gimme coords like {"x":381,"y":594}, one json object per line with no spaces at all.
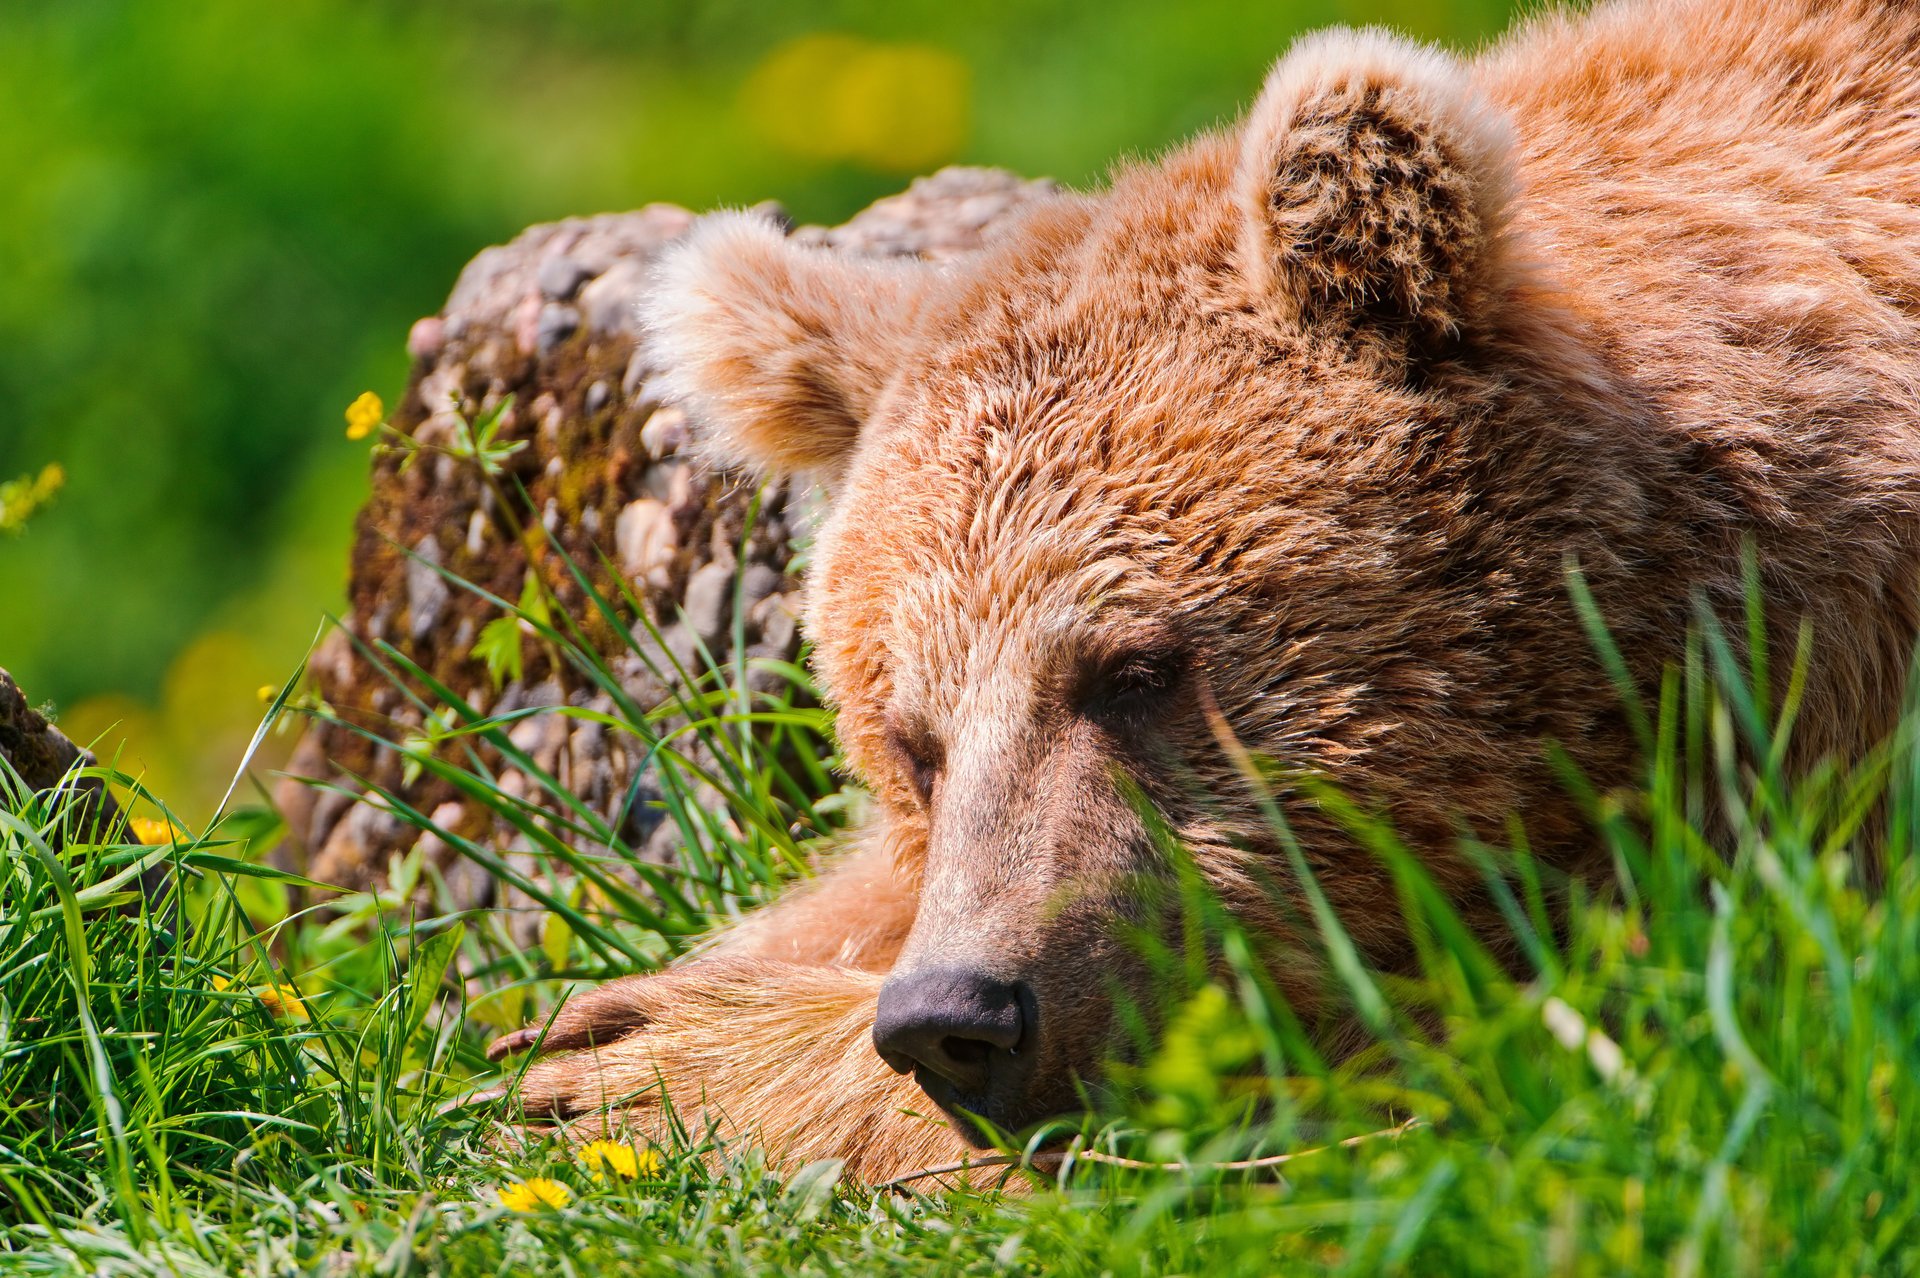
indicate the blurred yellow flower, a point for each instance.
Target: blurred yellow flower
{"x":364,"y":415}
{"x":266,"y":692}
{"x":282,"y":1000}
{"x":278,"y":998}
{"x":534,"y":1194}
{"x":895,"y":108}
{"x":22,"y":498}
{"x":153,"y":830}
{"x":623,"y":1161}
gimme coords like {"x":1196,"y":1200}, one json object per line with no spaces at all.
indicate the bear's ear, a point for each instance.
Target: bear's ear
{"x":1372,"y":183}
{"x":778,"y":350}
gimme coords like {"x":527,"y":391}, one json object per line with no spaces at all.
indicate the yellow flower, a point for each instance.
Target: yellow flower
{"x":364,"y":415}
{"x":267,"y":692}
{"x":153,"y":830}
{"x":534,"y":1194}
{"x":22,"y":498}
{"x":623,"y":1161}
{"x":278,"y":998}
{"x":282,"y":1000}
{"x":891,"y":107}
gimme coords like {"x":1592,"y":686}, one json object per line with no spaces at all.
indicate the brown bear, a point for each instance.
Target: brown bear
{"x":1288,"y":438}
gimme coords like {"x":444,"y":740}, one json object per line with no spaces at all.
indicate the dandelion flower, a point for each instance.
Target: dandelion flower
{"x":282,"y":1000}
{"x":364,"y":415}
{"x":153,"y":830}
{"x":22,"y":498}
{"x":279,"y":999}
{"x":624,"y":1161}
{"x":534,"y":1194}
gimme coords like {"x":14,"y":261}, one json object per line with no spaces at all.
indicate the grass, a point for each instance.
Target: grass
{"x":1710,"y":1065}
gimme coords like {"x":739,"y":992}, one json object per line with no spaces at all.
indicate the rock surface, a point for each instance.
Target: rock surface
{"x":42,"y":756}
{"x":549,"y":320}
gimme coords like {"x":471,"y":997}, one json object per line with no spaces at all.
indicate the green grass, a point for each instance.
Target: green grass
{"x":1709,"y":1065}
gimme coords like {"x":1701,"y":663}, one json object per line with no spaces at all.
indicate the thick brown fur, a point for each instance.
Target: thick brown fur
{"x":1306,"y":420}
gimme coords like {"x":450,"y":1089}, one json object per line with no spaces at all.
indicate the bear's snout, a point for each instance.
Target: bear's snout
{"x":959,"y":1031}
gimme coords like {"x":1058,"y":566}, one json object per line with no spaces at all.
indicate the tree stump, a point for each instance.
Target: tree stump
{"x":549,"y":320}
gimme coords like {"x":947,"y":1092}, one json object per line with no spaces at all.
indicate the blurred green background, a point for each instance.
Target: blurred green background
{"x":219,"y":217}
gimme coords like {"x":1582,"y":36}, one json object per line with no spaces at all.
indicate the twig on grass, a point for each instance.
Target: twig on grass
{"x":1053,"y":1160}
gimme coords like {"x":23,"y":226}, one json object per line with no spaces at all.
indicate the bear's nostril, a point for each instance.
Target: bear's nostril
{"x":967,"y":1051}
{"x":950,"y":1022}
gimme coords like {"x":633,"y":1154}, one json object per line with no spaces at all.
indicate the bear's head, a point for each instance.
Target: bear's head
{"x":1255,"y":449}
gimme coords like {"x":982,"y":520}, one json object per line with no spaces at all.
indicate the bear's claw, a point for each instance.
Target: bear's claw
{"x":518,"y":1041}
{"x":593,"y":1018}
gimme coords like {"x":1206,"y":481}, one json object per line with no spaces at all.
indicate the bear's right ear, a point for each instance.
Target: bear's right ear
{"x":778,"y":350}
{"x":1373,"y":182}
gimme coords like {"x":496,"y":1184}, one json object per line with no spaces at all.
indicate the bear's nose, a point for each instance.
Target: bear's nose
{"x":947,"y":1021}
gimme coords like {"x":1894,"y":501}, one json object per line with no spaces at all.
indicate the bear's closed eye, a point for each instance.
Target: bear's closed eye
{"x":1130,"y":680}
{"x":922,"y":754}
